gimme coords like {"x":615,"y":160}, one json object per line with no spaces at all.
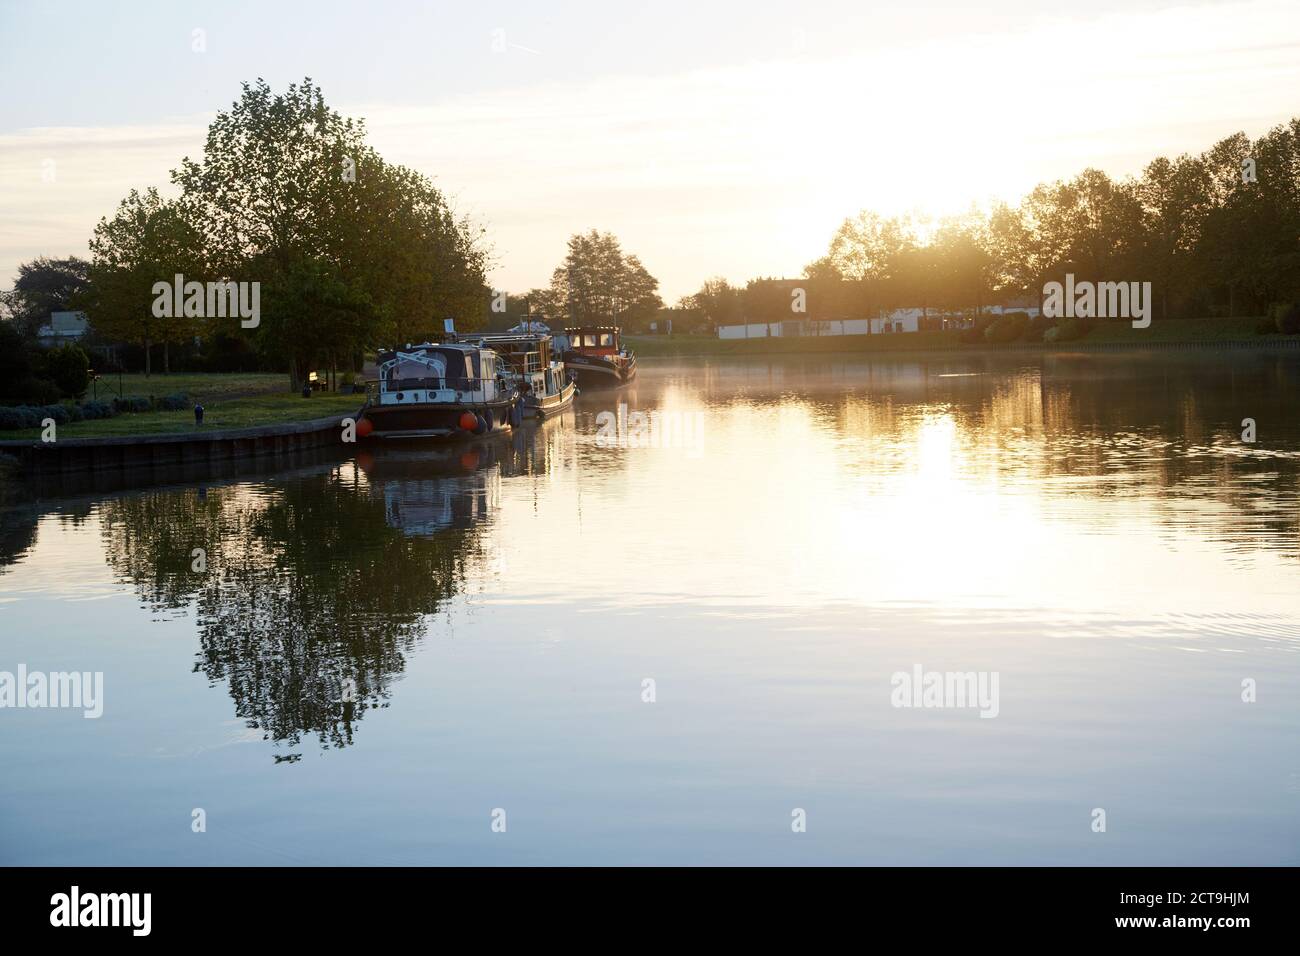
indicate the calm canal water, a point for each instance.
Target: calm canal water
{"x":656,"y":641}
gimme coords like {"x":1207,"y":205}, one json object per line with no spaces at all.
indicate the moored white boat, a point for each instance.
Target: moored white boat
{"x":441,"y":391}
{"x":531,"y":363}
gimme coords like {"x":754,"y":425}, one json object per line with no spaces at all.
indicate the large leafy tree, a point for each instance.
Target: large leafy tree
{"x":868,"y":246}
{"x":1097,"y":221}
{"x":719,"y":301}
{"x":638,"y":294}
{"x":274,"y":180}
{"x":1228,"y":250}
{"x":1175,"y":197}
{"x":598,"y":283}
{"x":1275,"y":214}
{"x":272,"y":190}
{"x":963,"y":262}
{"x":351,"y":251}
{"x":148,"y":240}
{"x":546,"y":301}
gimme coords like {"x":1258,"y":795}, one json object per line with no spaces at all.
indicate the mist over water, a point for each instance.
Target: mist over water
{"x":386,"y":646}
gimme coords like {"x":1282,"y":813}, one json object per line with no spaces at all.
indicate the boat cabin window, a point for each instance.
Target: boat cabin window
{"x":405,"y":374}
{"x":589,"y":340}
{"x":460,"y":366}
{"x":607,"y":338}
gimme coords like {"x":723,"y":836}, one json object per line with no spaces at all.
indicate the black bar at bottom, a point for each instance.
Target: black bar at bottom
{"x":334,"y":905}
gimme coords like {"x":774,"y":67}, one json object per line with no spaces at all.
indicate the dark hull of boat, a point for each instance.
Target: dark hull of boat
{"x":437,"y":421}
{"x":548,"y":405}
{"x":593,"y":373}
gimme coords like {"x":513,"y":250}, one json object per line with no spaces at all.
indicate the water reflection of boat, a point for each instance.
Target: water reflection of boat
{"x":422,"y":507}
{"x":431,"y":490}
{"x":440,"y":391}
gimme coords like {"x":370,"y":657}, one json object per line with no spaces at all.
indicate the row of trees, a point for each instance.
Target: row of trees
{"x":350,"y":251}
{"x":1215,"y":234}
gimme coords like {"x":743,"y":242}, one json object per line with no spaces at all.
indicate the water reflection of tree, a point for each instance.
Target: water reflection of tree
{"x":20,"y":523}
{"x":1176,"y":425}
{"x":1163,"y":428}
{"x":311,"y":598}
{"x":17,"y":534}
{"x":149,"y":540}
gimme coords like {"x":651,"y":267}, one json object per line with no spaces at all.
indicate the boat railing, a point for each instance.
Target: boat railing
{"x":431,"y":384}
{"x":427,"y":382}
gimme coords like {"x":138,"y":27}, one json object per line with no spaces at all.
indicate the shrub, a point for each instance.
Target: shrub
{"x":59,"y":413}
{"x":90,"y":410}
{"x":173,"y":403}
{"x":15,"y":364}
{"x":1035,"y":328}
{"x":68,"y":367}
{"x":975,"y":334}
{"x":1266,"y":326}
{"x":1286,"y":316}
{"x":1067,"y":330}
{"x":132,"y":403}
{"x":14,"y":417}
{"x":35,"y":391}
{"x":1007,"y":328}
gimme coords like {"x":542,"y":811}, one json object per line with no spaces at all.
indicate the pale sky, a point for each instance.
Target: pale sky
{"x":711,"y":138}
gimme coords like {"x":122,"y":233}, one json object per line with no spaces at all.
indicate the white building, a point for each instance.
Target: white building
{"x":62,"y":327}
{"x":899,"y":320}
{"x":754,"y":330}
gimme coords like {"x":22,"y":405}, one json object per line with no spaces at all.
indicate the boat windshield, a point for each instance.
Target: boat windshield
{"x":440,"y":370}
